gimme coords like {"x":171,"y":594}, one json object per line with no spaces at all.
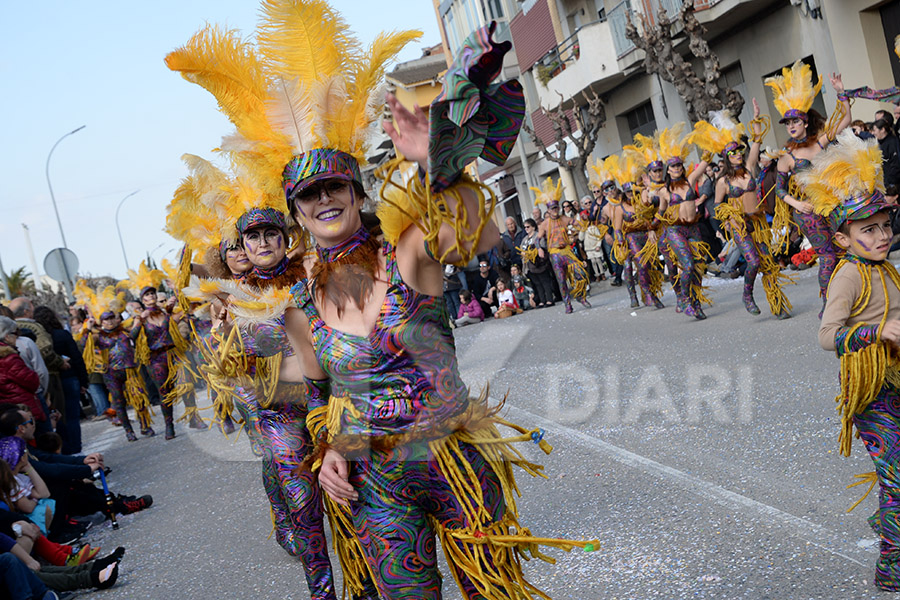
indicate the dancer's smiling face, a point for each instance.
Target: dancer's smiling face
{"x":264,"y":245}
{"x":329,"y":210}
{"x":796,"y":128}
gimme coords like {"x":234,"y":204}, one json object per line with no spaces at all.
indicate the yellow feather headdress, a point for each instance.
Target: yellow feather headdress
{"x":306,"y":85}
{"x":97,"y":304}
{"x":601,"y":172}
{"x":143,"y":277}
{"x":674,"y":144}
{"x":548,"y":192}
{"x":846,"y":181}
{"x":718,"y":133}
{"x":644,"y":151}
{"x":793,"y":90}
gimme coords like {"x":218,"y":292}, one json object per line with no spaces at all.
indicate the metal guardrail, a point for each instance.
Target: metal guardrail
{"x":554,"y":62}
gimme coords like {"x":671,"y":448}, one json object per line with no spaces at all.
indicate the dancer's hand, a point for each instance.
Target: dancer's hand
{"x":836,"y":82}
{"x":333,"y":478}
{"x":891,"y":331}
{"x":409,"y":131}
{"x":803,"y":206}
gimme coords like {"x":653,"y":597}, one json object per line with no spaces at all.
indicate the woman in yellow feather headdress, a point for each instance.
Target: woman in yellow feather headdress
{"x":109,"y":349}
{"x":632,"y":246}
{"x":305,"y":118}
{"x":677,"y":212}
{"x":571,"y":274}
{"x":861,"y":322}
{"x":794,"y":93}
{"x":738,"y":208}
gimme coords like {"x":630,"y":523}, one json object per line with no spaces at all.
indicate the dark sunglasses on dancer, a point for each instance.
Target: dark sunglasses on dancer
{"x":331,"y":188}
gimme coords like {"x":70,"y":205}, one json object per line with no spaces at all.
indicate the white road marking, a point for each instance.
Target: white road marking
{"x":804,"y":529}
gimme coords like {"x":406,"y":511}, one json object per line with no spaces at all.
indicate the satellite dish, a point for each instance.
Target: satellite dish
{"x":61,"y":264}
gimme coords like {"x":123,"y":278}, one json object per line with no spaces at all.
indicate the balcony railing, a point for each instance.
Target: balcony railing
{"x":555,"y":61}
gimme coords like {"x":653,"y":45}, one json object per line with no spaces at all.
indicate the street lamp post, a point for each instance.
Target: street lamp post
{"x":121,"y":242}
{"x":52,"y":198}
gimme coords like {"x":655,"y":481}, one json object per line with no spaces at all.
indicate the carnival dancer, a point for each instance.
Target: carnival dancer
{"x":602,"y":179}
{"x":109,"y":349}
{"x":255,"y":379}
{"x":861,"y":322}
{"x":644,"y":153}
{"x":794,"y":93}
{"x":631,"y":231}
{"x":571,"y":274}
{"x":678,"y":213}
{"x":738,"y":207}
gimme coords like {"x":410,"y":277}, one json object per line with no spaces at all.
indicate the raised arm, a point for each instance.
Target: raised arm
{"x":844,"y":103}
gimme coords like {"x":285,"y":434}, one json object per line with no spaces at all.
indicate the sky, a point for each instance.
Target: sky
{"x":65,"y":64}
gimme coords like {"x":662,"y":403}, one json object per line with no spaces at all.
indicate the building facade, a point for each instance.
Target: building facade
{"x":564,"y":48}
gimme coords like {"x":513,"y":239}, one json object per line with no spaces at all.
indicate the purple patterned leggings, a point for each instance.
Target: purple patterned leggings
{"x":399,"y":491}
{"x":159,"y":373}
{"x":747,"y":245}
{"x":879,"y":428}
{"x":678,"y":238}
{"x":816,"y":230}
{"x":115,"y":383}
{"x":636,"y":241}
{"x":281,"y":436}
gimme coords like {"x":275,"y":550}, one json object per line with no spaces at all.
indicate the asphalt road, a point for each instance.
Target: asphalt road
{"x":703,"y":455}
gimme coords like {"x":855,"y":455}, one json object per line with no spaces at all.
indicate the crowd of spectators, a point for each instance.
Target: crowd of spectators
{"x":49,"y":496}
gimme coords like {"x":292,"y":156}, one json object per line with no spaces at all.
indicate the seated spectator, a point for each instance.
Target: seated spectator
{"x":19,"y":581}
{"x":506,"y":301}
{"x":65,"y":475}
{"x":51,"y":443}
{"x":18,"y":383}
{"x":469,"y":309}
{"x":859,"y":128}
{"x":523,"y":293}
{"x":452,"y":285}
{"x":24,"y":487}
{"x":483,"y":288}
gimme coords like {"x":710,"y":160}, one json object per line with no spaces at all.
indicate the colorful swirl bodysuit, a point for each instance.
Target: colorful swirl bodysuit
{"x":402,"y":380}
{"x":812,"y":225}
{"x":565,"y":264}
{"x":162,"y":349}
{"x":636,"y":231}
{"x":119,"y":351}
{"x":683,"y":241}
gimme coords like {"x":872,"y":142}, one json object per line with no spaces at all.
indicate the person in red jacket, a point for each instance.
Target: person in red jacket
{"x":18,"y":383}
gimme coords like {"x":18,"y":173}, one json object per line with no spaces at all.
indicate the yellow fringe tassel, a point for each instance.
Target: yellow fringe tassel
{"x":142,"y":348}
{"x":136,"y":396}
{"x":781,"y":227}
{"x":863,"y":372}
{"x":268,"y":371}
{"x":576,"y":273}
{"x":871,"y":478}
{"x":414,"y":202}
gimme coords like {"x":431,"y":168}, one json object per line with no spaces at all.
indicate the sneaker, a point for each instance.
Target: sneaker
{"x":84,"y":554}
{"x":126,"y":507}
{"x":70,"y":533}
{"x":148,"y":432}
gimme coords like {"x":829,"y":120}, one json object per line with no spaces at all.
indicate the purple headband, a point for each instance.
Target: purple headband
{"x":793,"y":113}
{"x":656,"y":164}
{"x":552,"y":203}
{"x":11,"y":450}
{"x":609,"y":183}
{"x":321,"y":163}
{"x":144,"y":290}
{"x":675,"y":160}
{"x":731,"y":146}
{"x":107,"y":314}
{"x":260,"y":217}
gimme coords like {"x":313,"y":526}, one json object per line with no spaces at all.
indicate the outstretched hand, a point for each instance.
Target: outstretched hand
{"x":836,"y":82}
{"x":408,"y":131}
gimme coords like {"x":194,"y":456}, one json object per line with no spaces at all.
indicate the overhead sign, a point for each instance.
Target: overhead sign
{"x":61,"y":264}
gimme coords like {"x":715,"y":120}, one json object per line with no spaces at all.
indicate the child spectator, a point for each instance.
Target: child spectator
{"x":469,"y":309}
{"x":26,"y":489}
{"x":49,"y":442}
{"x":506,"y":300}
{"x":523,"y":293}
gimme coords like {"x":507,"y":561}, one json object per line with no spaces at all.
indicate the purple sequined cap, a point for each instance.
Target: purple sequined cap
{"x":793,"y":113}
{"x":259,"y":217}
{"x":321,"y":163}
{"x":858,"y":208}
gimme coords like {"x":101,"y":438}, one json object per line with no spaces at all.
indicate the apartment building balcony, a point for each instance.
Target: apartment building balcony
{"x":587,"y":59}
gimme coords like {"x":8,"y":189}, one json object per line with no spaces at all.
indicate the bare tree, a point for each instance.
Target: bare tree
{"x":658,"y":43}
{"x":589,"y":120}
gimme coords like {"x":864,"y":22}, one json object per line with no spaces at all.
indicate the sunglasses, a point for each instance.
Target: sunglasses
{"x":736,"y":151}
{"x":28,"y":422}
{"x":482,"y":265}
{"x":330,"y":188}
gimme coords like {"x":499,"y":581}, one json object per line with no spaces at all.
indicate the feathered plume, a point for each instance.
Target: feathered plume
{"x":548,"y":192}
{"x":644,"y":151}
{"x":673,"y":143}
{"x":794,"y":89}
{"x":600,"y":172}
{"x":141,"y":278}
{"x":851,"y":168}
{"x":718,"y":132}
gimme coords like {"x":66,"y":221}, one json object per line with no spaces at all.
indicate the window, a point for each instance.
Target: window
{"x":492,"y":9}
{"x":641,"y":120}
